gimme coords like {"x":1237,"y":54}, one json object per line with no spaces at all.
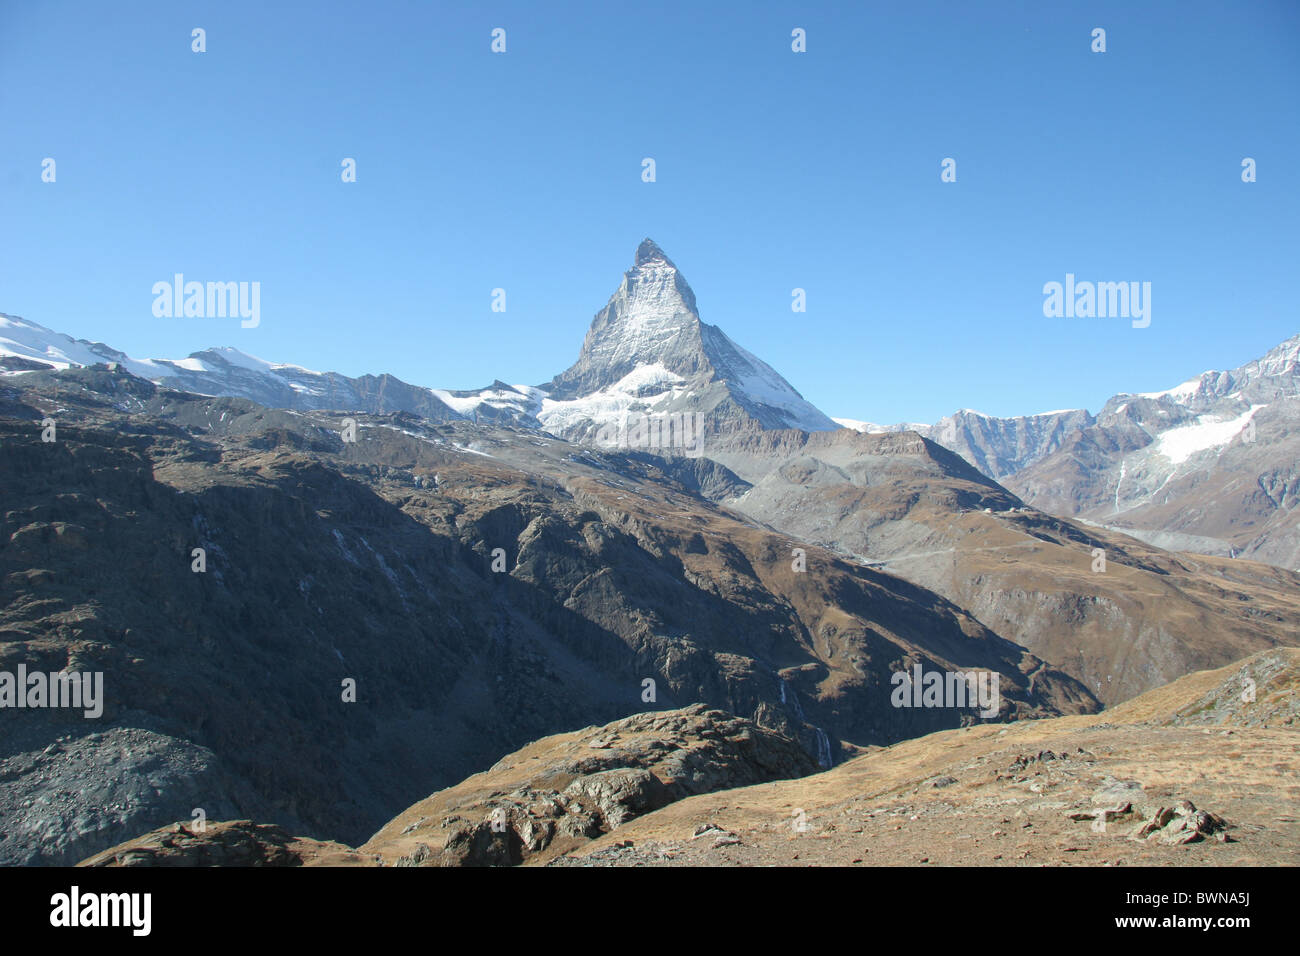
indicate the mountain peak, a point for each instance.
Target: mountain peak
{"x":648,"y":348}
{"x":650,"y":320}
{"x":649,"y":251}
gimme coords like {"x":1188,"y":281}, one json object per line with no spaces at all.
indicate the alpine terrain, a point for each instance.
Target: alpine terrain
{"x":359,"y":621}
{"x":1206,"y":466}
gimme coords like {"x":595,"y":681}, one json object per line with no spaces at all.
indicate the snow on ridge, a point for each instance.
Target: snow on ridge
{"x":23,"y":339}
{"x":521,"y":398}
{"x":192,"y":365}
{"x":870,"y":428}
{"x":1185,"y":390}
{"x":27,"y":339}
{"x":234,"y":356}
{"x":472,"y":451}
{"x":1180,"y":443}
{"x":757,"y":381}
{"x":461,"y":404}
{"x":645,"y":376}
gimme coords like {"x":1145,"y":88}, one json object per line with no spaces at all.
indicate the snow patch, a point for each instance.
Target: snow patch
{"x":871,"y":428}
{"x":1185,"y":390}
{"x":1179,"y":444}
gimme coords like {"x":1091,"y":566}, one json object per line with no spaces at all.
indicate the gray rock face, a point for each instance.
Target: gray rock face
{"x":70,"y":798}
{"x":648,"y":352}
{"x":651,"y":319}
{"x":619,"y":795}
{"x":1003,"y":446}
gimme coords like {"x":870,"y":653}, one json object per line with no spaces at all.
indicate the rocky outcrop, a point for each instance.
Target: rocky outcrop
{"x":696,"y":786}
{"x":552,"y":796}
{"x":562,"y":791}
{"x":1183,"y":824}
{"x":232,"y":843}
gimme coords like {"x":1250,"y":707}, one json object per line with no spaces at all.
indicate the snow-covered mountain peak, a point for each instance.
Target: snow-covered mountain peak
{"x":653,"y":295}
{"x":1272,"y":376}
{"x":1283,"y":359}
{"x":26,"y":345}
{"x":650,"y":319}
{"x":652,"y":322}
{"x":649,"y":251}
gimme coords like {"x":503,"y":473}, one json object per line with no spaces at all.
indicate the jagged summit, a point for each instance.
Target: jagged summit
{"x":648,"y":351}
{"x":651,"y":319}
{"x":649,"y":251}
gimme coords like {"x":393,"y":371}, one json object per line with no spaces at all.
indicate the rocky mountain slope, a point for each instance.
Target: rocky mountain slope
{"x":228,"y":372}
{"x":405,"y":582}
{"x":1120,"y":615}
{"x":1208,"y":466}
{"x":998,"y":447}
{"x":550,"y":797}
{"x":647,"y":352}
{"x":329,"y":561}
{"x":1199,"y":772}
{"x":560,"y":792}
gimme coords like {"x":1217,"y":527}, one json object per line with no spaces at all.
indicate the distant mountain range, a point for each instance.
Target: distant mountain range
{"x":1207,"y":466}
{"x":1210,"y":465}
{"x":647,"y":352}
{"x":996,"y":446}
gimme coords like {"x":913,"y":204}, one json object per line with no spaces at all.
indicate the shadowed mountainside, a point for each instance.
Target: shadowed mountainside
{"x":372,"y":562}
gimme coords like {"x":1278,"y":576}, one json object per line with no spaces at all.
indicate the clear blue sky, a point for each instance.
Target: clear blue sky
{"x":775,"y":170}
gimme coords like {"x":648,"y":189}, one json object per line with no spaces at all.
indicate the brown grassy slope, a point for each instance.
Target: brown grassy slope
{"x":1005,"y":795}
{"x":1027,"y":793}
